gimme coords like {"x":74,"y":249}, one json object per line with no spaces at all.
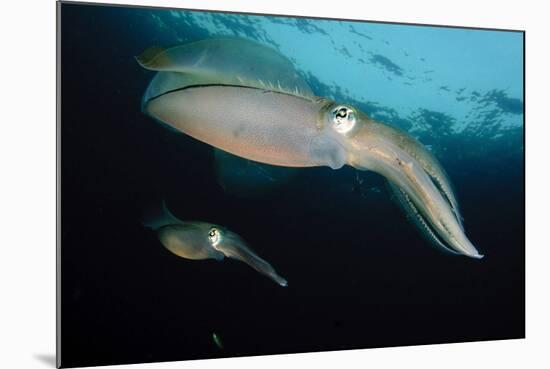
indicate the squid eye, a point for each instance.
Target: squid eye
{"x":214,"y":236}
{"x":343,"y":118}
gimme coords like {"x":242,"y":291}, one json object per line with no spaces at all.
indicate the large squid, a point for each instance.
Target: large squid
{"x":249,"y":100}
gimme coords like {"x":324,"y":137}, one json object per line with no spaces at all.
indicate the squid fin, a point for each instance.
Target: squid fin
{"x":159,"y":217}
{"x":230,"y":61}
{"x":153,"y":58}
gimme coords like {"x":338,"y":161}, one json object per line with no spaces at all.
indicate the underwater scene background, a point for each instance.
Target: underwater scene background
{"x":359,"y":274}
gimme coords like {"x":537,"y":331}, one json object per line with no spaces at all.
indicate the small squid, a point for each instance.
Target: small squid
{"x":201,"y":240}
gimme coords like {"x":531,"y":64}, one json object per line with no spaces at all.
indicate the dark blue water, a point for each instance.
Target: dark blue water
{"x":359,"y":274}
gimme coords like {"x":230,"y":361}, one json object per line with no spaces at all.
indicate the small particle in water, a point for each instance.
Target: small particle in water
{"x":217,"y":340}
{"x":375,"y":190}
